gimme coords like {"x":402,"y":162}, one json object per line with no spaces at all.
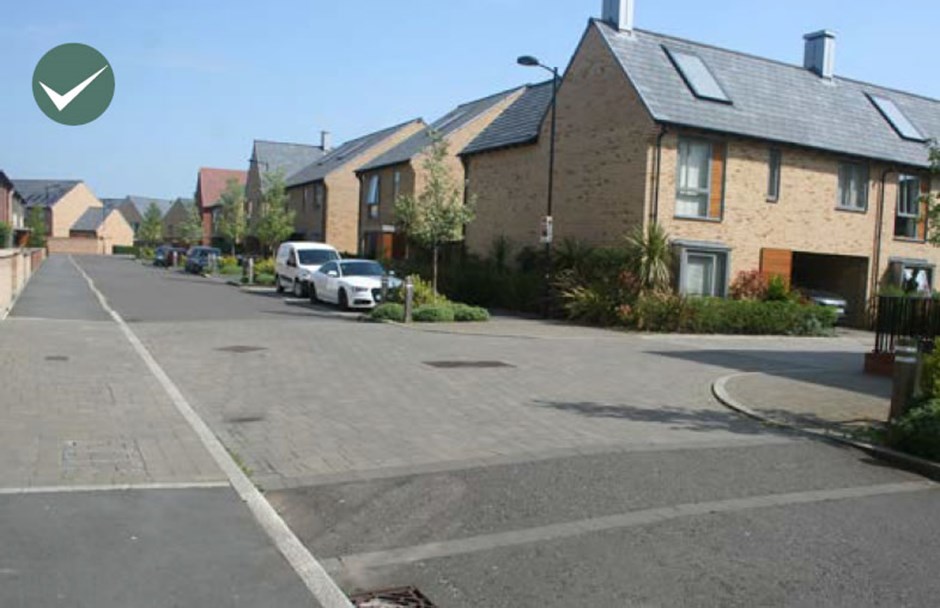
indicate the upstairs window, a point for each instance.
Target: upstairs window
{"x":694,"y":178}
{"x":773,"y":177}
{"x":319,"y":194}
{"x":908,"y":218}
{"x":397,"y":185}
{"x":372,"y":196}
{"x":853,"y":187}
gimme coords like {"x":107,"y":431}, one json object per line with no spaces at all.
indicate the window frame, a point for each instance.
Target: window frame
{"x":906,"y":218}
{"x":722,"y":268}
{"x":774,"y":174}
{"x":319,"y":195}
{"x":686,"y":192}
{"x":396,"y":184}
{"x":864,"y":172}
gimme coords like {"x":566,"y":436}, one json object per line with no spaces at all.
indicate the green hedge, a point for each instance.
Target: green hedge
{"x":918,"y":432}
{"x":391,"y":311}
{"x":464,"y":313}
{"x":264,"y":279}
{"x":433,"y":313}
{"x":126,"y":250}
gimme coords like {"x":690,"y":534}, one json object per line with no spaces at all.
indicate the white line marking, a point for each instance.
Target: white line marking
{"x":114,"y":488}
{"x":323,"y":587}
{"x":487,"y":542}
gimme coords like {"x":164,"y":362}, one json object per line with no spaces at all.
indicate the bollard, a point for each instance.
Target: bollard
{"x":385,"y":288}
{"x":409,"y":298}
{"x":251,"y":271}
{"x":905,"y":378}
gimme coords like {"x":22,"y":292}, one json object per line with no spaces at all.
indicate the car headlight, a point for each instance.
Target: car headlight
{"x":360,"y":289}
{"x":304,"y":275}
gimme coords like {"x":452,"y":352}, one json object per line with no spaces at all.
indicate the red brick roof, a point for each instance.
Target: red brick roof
{"x":212,"y":183}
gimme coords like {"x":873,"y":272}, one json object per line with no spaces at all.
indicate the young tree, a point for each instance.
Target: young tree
{"x":933,"y":208}
{"x":650,"y":257}
{"x":275,"y":221}
{"x":437,"y":215}
{"x":151,"y":228}
{"x":5,"y":232}
{"x":233,"y":224}
{"x":191,"y":229}
{"x":36,"y":222}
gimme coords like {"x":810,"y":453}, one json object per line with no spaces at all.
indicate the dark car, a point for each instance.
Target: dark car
{"x":827,"y":298}
{"x":163,"y":256}
{"x":200,"y":259}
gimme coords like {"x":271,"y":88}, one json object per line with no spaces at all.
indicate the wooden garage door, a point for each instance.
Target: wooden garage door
{"x":777,"y":262}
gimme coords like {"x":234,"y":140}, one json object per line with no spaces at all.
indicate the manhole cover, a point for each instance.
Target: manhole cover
{"x":240,"y":350}
{"x":57,"y":358}
{"x":467,"y":364}
{"x":407,"y":597}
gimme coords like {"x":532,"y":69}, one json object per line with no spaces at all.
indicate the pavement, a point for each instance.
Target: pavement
{"x":522,"y":463}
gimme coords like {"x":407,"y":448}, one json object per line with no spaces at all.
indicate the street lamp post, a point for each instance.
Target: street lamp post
{"x":532,"y":62}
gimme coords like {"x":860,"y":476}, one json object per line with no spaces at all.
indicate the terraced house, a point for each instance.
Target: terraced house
{"x":210,"y":186}
{"x":12,"y":213}
{"x":748,"y":163}
{"x":400,"y":171}
{"x":325,"y":194}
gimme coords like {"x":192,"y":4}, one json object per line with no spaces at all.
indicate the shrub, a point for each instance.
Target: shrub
{"x":589,"y":304}
{"x":717,"y":316}
{"x":264,"y":279}
{"x":930,"y":375}
{"x":146,"y":253}
{"x":390,"y":311}
{"x":659,"y":312}
{"x":5,"y":232}
{"x":433,"y":313}
{"x":777,"y":289}
{"x":749,"y":285}
{"x":265,"y":266}
{"x":125,"y":250}
{"x":918,"y":432}
{"x":229,"y":265}
{"x":423,"y":295}
{"x":464,"y":313}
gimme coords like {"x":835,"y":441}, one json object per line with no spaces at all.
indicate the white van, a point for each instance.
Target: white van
{"x":296,"y":262}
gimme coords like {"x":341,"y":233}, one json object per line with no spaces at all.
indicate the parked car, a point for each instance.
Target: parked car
{"x":296,"y":262}
{"x":200,"y":259}
{"x":163,"y":255}
{"x":827,"y":298}
{"x":350,"y":284}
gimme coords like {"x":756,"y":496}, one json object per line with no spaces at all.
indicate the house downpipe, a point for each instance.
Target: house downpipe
{"x":879,"y":233}
{"x":654,"y":208}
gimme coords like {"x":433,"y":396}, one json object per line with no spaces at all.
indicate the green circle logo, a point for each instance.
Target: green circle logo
{"x":73,"y":84}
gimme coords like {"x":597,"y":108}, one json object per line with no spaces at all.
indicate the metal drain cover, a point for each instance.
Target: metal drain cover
{"x":406,"y":597}
{"x":467,"y":364}
{"x":241,"y":350}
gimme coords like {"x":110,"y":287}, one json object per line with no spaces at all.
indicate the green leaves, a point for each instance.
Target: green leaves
{"x":151,"y":229}
{"x":233,"y":223}
{"x":36,"y":222}
{"x":275,"y":221}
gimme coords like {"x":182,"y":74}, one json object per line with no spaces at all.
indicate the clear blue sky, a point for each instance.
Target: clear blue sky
{"x":198,"y":80}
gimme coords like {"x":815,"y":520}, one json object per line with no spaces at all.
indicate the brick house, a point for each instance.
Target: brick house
{"x":134,"y":208}
{"x":325,"y":194}
{"x":747,"y":163}
{"x":64,"y":203}
{"x":210,"y":185}
{"x":400,"y":171}
{"x":174,"y":218}
{"x":99,"y":230}
{"x":271,"y":157}
{"x":12,"y":211}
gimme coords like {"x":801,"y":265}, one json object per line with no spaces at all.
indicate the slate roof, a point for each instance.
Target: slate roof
{"x":284,"y":157}
{"x":772,"y":100}
{"x":91,"y":220}
{"x":143,"y":203}
{"x":342,"y":155}
{"x":212,"y":183}
{"x":43,"y":192}
{"x":519,"y":124}
{"x":447,"y":124}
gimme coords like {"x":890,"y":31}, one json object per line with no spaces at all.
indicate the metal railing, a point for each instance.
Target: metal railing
{"x":905,"y":317}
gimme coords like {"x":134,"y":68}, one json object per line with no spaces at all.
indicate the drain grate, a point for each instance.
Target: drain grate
{"x":241,"y":350}
{"x":406,"y":597}
{"x":467,"y":364}
{"x":248,"y":419}
{"x":57,"y":358}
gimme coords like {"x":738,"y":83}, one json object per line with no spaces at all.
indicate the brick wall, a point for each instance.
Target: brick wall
{"x":16,"y":268}
{"x":76,"y":245}
{"x":71,"y":207}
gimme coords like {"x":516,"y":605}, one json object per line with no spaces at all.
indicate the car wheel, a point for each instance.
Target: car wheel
{"x":277,"y":284}
{"x":298,"y":289}
{"x":343,"y":300}
{"x":312,"y":290}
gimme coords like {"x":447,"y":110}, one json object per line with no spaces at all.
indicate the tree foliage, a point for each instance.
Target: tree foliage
{"x":233,"y":224}
{"x":190,"y":230}
{"x":36,"y":222}
{"x":5,"y":232}
{"x":151,"y":228}
{"x":275,"y":221}
{"x":933,"y":208}
{"x":650,"y":257}
{"x":437,"y":215}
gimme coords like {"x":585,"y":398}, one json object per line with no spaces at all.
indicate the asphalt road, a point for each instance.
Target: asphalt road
{"x":593,"y":469}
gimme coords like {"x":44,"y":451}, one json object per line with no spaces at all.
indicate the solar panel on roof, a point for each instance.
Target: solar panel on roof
{"x":697,"y":76}
{"x":896,"y":118}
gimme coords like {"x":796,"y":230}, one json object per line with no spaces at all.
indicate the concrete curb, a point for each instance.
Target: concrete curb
{"x":921,"y":466}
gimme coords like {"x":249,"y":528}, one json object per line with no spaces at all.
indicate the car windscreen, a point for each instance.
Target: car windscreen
{"x":316,"y":257}
{"x":362,"y":269}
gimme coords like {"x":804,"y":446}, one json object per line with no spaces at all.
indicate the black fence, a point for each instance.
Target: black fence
{"x":905,"y":317}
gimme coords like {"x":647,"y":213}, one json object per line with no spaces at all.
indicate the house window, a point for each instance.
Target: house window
{"x":319,"y":194}
{"x":908,"y":212}
{"x":853,"y":186}
{"x":694,"y":178}
{"x":308,"y":196}
{"x":703,"y":269}
{"x":397,"y":185}
{"x":373,"y":196}
{"x":773,"y":177}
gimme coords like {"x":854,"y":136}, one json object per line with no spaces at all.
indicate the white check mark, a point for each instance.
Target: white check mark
{"x":61,"y":101}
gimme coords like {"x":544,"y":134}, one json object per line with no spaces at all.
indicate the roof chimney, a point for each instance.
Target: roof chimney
{"x":820,"y":54}
{"x":326,"y":140}
{"x":619,"y":13}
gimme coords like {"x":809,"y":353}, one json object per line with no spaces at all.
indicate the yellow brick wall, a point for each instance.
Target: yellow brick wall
{"x":386,"y":195}
{"x":71,"y":207}
{"x":116,"y":231}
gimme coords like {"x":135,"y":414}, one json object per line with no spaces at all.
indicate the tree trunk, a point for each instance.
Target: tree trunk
{"x":434,"y":265}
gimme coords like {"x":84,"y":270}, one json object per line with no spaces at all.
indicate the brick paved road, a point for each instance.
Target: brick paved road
{"x":595,"y":469}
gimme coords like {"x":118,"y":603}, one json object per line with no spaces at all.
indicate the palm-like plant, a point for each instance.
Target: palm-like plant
{"x":651,"y":257}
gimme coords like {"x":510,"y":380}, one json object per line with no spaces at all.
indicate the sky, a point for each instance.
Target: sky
{"x":198,"y":80}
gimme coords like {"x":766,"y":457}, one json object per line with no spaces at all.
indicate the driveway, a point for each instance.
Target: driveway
{"x":523,"y":463}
